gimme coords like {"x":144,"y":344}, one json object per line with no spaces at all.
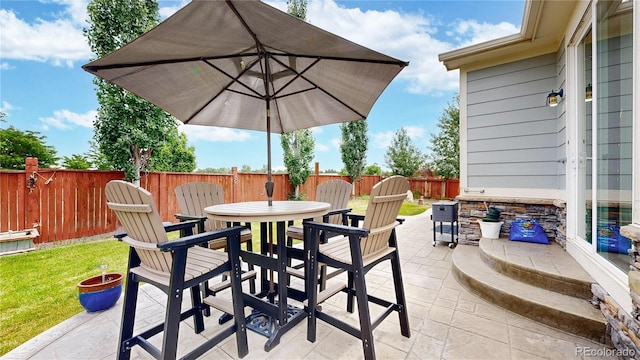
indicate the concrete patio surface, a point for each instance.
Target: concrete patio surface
{"x":447,"y":322}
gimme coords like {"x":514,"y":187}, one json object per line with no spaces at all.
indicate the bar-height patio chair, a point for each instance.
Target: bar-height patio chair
{"x":359,"y":250}
{"x":336,"y":193}
{"x":192,"y":198}
{"x":173,"y":266}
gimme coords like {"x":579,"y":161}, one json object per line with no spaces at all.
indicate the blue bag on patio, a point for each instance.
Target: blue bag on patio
{"x":610,"y":240}
{"x":528,"y":230}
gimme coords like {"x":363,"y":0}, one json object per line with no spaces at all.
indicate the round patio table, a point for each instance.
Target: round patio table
{"x":280,"y":213}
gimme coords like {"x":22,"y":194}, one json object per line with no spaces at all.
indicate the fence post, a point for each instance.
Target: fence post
{"x":235,"y":189}
{"x":32,"y":206}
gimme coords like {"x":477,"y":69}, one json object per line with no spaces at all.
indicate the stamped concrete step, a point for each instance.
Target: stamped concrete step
{"x":571,"y":314}
{"x":545,"y":266}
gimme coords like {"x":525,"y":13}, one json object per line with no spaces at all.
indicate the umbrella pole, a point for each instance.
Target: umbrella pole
{"x":269,"y":188}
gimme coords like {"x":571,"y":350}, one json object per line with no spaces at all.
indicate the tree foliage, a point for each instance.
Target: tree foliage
{"x":297,"y":8}
{"x":297,"y":149}
{"x":445,"y":146}
{"x":372,"y":170}
{"x":297,"y":146}
{"x":174,"y":154}
{"x":402,"y":157}
{"x":127,"y":129}
{"x":17,"y":145}
{"x":353,"y":148}
{"x":98,"y":159}
{"x":76,"y":161}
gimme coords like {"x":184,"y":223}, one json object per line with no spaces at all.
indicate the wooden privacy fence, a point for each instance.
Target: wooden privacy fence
{"x":70,"y":204}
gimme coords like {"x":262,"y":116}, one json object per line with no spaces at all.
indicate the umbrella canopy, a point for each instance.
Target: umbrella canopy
{"x":246,"y":65}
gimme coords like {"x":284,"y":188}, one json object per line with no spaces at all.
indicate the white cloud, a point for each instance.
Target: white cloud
{"x":414,"y":132}
{"x":322,"y":147}
{"x":65,"y":119}
{"x":59,"y":42}
{"x":382,"y":140}
{"x":6,"y":66}
{"x":6,"y":107}
{"x":214,"y":134}
{"x":469,"y":32}
{"x":336,"y":142}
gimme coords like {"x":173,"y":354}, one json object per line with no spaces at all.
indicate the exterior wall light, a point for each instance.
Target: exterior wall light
{"x":553,"y":97}
{"x":588,"y":95}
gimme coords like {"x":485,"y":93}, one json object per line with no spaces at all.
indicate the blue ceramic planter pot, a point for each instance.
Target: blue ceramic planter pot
{"x":96,"y":295}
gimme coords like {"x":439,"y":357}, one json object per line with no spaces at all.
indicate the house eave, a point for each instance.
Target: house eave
{"x":541,"y":32}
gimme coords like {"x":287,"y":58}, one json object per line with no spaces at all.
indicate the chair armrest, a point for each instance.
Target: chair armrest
{"x":193,"y":240}
{"x":185,"y":225}
{"x":339,"y":229}
{"x":186,"y":217}
{"x":342,"y":212}
{"x":355,"y":219}
{"x":183,"y":217}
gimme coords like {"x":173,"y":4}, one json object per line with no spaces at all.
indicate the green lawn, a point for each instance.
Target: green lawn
{"x":38,"y":288}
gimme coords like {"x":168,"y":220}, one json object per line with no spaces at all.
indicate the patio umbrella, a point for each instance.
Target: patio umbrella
{"x":246,"y":65}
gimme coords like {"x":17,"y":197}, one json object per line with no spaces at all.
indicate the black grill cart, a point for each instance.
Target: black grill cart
{"x":445,"y":222}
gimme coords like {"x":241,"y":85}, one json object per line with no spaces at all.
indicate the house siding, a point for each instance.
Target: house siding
{"x":513,"y":139}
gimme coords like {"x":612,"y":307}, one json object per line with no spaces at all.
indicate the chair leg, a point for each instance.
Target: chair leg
{"x":252,"y":281}
{"x":196,"y":303}
{"x":235,"y":272}
{"x":311,"y":284}
{"x":350,"y":292}
{"x":403,"y":317}
{"x":172,"y":323}
{"x":366,"y":330}
{"x":128,"y":317}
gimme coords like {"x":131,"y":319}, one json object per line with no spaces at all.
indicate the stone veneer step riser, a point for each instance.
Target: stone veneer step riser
{"x":552,"y":282}
{"x":590,"y":329}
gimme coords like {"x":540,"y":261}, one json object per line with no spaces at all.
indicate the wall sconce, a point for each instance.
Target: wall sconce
{"x":588,"y":95}
{"x":553,"y":97}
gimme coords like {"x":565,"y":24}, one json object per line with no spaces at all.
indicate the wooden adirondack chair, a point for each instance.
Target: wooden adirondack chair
{"x":173,"y":266}
{"x":192,"y":198}
{"x":359,"y":250}
{"x":336,"y":193}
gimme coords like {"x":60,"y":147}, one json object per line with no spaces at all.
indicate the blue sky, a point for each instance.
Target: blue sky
{"x":44,"y":89}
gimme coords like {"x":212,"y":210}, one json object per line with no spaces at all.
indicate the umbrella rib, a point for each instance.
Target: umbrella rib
{"x":315,"y":86}
{"x":234,"y":79}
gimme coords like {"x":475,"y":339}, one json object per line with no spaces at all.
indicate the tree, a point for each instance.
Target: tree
{"x":97,"y":158}
{"x":445,"y":146}
{"x":174,"y":154}
{"x":17,"y":145}
{"x":297,"y":146}
{"x":372,"y":170}
{"x":127,"y":129}
{"x":76,"y":161}
{"x":354,"y":147}
{"x":298,"y":154}
{"x":402,"y":157}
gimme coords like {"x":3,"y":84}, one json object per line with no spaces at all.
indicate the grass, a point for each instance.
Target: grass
{"x":38,"y":288}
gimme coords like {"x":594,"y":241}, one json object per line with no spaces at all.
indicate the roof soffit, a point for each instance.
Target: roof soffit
{"x":542,"y":31}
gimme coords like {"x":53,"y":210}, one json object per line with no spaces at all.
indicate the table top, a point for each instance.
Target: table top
{"x":260,"y":211}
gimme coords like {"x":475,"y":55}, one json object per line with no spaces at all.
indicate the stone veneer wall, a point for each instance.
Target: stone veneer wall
{"x":551,"y":214}
{"x":624,"y":329}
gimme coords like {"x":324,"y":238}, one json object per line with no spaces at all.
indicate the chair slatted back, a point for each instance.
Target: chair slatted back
{"x":193,"y":197}
{"x":384,"y":204}
{"x":136,"y":210}
{"x":336,"y":193}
